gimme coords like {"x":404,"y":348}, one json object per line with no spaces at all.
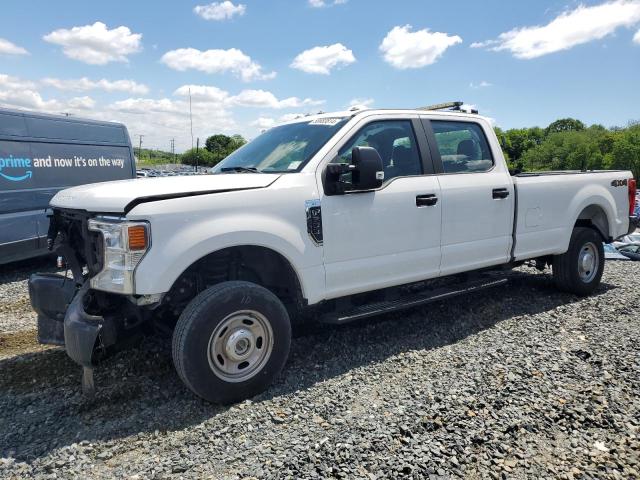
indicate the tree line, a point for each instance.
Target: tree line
{"x":568,"y":144}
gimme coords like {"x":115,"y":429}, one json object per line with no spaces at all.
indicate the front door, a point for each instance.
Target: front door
{"x":389,"y":236}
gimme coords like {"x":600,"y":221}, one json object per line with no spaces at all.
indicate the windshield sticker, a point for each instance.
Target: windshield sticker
{"x":294,"y":165}
{"x":329,"y":122}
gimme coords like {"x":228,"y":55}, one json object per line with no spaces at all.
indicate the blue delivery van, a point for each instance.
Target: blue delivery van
{"x":42,"y":154}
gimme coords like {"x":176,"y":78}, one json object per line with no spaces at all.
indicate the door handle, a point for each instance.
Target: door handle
{"x":499,"y":193}
{"x":428,"y":200}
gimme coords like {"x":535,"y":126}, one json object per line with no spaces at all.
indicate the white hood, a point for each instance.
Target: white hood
{"x":115,"y":196}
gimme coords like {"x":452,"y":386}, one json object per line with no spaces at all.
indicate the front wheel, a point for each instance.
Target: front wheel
{"x":580,"y":268}
{"x":231,"y":341}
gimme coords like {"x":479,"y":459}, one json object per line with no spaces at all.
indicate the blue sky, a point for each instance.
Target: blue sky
{"x":251,"y":64}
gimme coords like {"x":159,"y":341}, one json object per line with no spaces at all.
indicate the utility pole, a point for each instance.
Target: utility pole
{"x":191,"y":118}
{"x":173,"y":149}
{"x":140,"y":148}
{"x":197,"y":154}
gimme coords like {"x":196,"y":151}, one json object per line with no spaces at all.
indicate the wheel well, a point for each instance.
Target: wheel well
{"x":251,"y":263}
{"x":595,"y":217}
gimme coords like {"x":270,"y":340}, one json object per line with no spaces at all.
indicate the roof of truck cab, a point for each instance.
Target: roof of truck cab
{"x":383,"y":111}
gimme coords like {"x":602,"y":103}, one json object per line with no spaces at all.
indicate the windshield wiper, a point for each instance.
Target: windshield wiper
{"x":240,"y":169}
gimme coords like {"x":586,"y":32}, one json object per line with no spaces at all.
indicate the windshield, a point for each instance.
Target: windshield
{"x":286,"y":148}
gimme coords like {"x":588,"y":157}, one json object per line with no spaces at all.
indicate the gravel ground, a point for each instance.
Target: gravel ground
{"x":15,"y":310}
{"x":518,"y":382}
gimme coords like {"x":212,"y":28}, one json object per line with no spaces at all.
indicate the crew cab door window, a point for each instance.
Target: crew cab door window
{"x":463,"y":147}
{"x":396,"y":143}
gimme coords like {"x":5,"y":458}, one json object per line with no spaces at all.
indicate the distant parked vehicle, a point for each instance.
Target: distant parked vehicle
{"x":39,"y":156}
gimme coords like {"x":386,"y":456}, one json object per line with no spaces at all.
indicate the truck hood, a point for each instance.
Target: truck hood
{"x":123,"y":195}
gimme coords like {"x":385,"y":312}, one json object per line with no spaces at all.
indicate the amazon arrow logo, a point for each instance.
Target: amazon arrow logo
{"x":28,"y":174}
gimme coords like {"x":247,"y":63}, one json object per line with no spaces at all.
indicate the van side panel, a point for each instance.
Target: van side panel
{"x":41,"y":155}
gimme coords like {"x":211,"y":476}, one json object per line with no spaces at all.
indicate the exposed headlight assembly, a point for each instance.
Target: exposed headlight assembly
{"x":125,"y":243}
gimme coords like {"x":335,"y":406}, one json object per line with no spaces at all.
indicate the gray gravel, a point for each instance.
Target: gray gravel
{"x":15,"y":310}
{"x":518,"y":382}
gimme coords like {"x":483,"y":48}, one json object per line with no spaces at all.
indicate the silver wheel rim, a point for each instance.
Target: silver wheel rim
{"x":588,"y":262}
{"x":240,"y":346}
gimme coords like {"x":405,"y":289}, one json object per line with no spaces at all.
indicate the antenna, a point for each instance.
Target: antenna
{"x":191,"y":117}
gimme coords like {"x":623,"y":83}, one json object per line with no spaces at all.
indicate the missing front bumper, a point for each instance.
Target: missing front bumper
{"x":62,"y":319}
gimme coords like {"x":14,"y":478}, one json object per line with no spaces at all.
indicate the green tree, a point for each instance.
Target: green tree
{"x":221,"y":146}
{"x":200,"y":157}
{"x":565,"y":125}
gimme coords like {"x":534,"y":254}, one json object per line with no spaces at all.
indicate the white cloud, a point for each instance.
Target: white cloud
{"x":17,"y":92}
{"x":263,"y":123}
{"x":575,"y":27}
{"x":323,"y":59}
{"x":246,"y":98}
{"x":482,"y":84}
{"x":361,"y":102}
{"x":8,"y":82}
{"x":325,"y":3}
{"x":220,"y":10}
{"x":20,"y":93}
{"x":203,"y":93}
{"x":216,"y":61}
{"x":96,"y":44}
{"x":287,"y":117}
{"x":82,"y":103}
{"x":636,"y":37}
{"x":265,"y":99}
{"x":160,"y":120}
{"x":85,"y":84}
{"x":8,"y":48}
{"x":404,"y":49}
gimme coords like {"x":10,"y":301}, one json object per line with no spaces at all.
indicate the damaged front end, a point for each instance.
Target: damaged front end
{"x":72,"y":312}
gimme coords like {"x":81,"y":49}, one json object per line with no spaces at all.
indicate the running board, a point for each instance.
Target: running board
{"x":410,"y":301}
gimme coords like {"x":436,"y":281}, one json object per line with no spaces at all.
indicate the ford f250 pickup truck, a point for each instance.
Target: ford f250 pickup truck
{"x":333,"y":217}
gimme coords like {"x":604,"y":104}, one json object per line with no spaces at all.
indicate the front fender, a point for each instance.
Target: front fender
{"x":179,"y":245}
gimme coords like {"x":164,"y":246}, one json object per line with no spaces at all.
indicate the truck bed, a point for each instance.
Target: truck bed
{"x":548,"y":204}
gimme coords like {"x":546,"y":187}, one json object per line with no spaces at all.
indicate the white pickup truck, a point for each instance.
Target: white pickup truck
{"x":333,"y":217}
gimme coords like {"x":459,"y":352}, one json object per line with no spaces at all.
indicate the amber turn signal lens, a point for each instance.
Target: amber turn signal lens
{"x":137,"y":237}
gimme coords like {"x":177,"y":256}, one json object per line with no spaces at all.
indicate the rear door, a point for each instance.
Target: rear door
{"x":477,"y":196}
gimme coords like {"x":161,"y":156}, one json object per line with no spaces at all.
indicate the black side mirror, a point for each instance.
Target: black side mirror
{"x":366,"y":171}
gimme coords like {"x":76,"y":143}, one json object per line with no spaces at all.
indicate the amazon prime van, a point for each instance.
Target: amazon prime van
{"x":41,"y":154}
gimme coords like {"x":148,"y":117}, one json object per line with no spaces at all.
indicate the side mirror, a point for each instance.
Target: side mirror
{"x":363,"y":174}
{"x":368,"y":172}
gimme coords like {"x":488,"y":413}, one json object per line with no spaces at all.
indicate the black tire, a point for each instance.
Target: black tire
{"x":193,"y":338}
{"x":567,"y":267}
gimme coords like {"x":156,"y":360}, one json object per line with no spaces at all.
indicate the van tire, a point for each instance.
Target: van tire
{"x":225,"y":327}
{"x":579,"y":270}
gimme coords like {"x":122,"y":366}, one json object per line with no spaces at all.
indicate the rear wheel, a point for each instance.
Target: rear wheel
{"x":580,"y":268}
{"x":231,"y":341}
